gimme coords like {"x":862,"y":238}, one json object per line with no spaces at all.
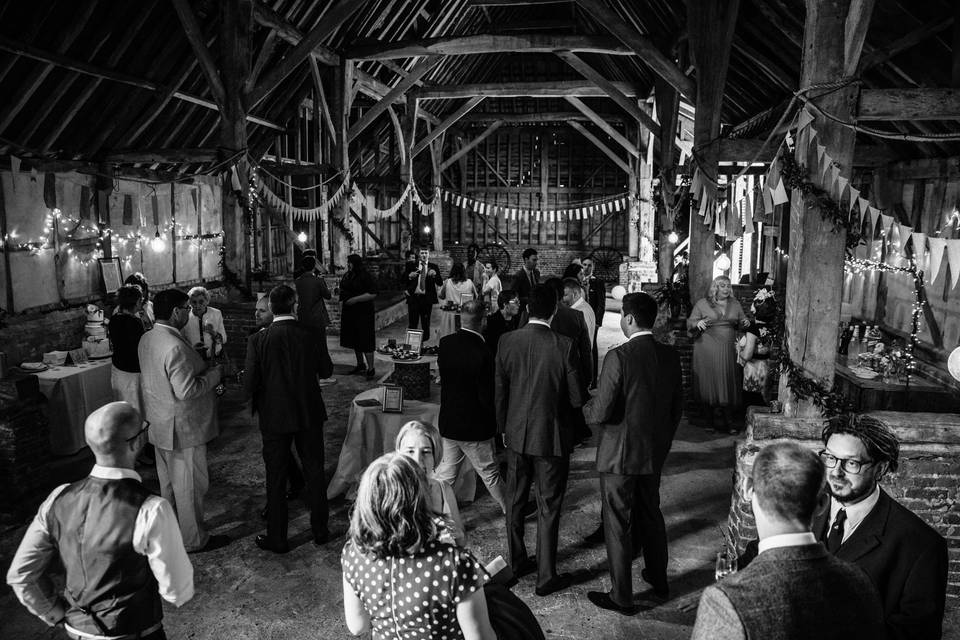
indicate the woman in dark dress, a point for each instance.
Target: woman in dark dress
{"x":399,"y":579}
{"x":124,"y":331}
{"x":357,"y":319}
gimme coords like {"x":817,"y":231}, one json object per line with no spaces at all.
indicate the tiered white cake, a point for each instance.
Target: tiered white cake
{"x":95,"y":344}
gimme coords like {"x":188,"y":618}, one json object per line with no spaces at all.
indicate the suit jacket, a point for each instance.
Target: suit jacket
{"x":283,"y":363}
{"x":466,"y":388}
{"x":497,"y":325}
{"x":791,"y":593}
{"x":178,"y":390}
{"x":639,"y":403}
{"x":535,"y":375}
{"x":596,"y":297}
{"x":907,"y":561}
{"x":432,"y":282}
{"x":522,"y":286}
{"x":571,"y":323}
{"x":312,"y":290}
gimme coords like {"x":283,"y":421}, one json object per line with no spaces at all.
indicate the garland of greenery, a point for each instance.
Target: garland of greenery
{"x":828,"y":400}
{"x":342,"y":227}
{"x":230,"y":276}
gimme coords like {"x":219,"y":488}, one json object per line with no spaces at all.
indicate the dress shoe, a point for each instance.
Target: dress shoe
{"x":322,"y":538}
{"x":527,"y":565}
{"x":262,"y":542}
{"x":604,"y":601}
{"x":558,"y":582}
{"x":213,"y":542}
{"x":660,"y":591}
{"x":596,"y":537}
{"x":370,"y":373}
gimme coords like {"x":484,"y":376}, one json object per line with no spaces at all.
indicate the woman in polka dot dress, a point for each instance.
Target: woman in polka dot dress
{"x":399,"y":580}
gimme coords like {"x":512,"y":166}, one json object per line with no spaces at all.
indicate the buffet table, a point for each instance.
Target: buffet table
{"x":371,"y":433}
{"x":871,"y":395}
{"x":73,"y":392}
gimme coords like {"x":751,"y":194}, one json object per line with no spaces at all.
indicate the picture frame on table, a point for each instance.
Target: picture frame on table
{"x":392,"y":398}
{"x":111,"y":274}
{"x":414,"y":338}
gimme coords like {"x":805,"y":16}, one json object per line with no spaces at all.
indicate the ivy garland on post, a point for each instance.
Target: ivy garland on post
{"x":343,"y":229}
{"x":827,"y":399}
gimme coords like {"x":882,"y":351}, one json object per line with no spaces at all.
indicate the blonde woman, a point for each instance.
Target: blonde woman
{"x":714,"y":321}
{"x":399,"y":579}
{"x":421,"y":441}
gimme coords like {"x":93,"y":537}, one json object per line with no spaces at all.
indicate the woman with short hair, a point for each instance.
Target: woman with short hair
{"x":399,"y":579}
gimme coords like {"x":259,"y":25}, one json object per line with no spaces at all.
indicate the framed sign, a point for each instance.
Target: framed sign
{"x":79,"y":356}
{"x":414,"y":339}
{"x":111,"y":274}
{"x":392,"y":399}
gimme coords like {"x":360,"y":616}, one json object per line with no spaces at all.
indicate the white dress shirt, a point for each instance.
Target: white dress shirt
{"x":588,"y":315}
{"x":855,"y":512}
{"x":192,"y":332}
{"x":156,"y":535}
{"x":539,"y":321}
{"x":786,"y":540}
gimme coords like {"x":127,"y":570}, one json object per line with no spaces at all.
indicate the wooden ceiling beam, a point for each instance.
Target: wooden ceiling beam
{"x":627,"y":104}
{"x":162,"y":156}
{"x":642,"y":45}
{"x":465,"y":149}
{"x":856,"y":27}
{"x":330,"y":22}
{"x":514,"y":3}
{"x":448,"y":122}
{"x":489,"y":43}
{"x":194,"y":33}
{"x":909,"y":104}
{"x":604,"y":126}
{"x":546,"y":89}
{"x":879,"y":56}
{"x":617,"y":160}
{"x":419,"y":71}
{"x":534,"y":118}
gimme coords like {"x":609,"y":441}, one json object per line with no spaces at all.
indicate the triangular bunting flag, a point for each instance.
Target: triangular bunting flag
{"x":767,"y":201}
{"x":874,"y":220}
{"x":804,"y":119}
{"x":904,"y":232}
{"x":919,"y":243}
{"x":854,"y":197}
{"x":937,"y":247}
{"x":885,"y":221}
{"x":864,"y":205}
{"x":780,"y":194}
{"x":953,"y":258}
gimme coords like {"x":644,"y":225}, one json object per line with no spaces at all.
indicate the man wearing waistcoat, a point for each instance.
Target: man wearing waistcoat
{"x":119,"y":545}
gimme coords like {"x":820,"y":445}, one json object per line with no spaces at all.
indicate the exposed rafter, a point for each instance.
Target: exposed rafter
{"x":620,"y":162}
{"x":194,"y":33}
{"x":546,"y":89}
{"x":465,"y":149}
{"x":419,"y":71}
{"x":448,"y":122}
{"x":604,"y":126}
{"x":489,"y":43}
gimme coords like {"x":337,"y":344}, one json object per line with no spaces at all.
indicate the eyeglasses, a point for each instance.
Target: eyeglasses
{"x":850,"y":465}
{"x":143,"y":429}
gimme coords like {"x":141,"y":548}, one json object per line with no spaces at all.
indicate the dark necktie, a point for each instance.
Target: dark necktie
{"x":423,"y":278}
{"x":835,"y":535}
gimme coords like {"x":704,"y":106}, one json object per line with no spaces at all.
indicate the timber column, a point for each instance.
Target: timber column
{"x":340,"y":245}
{"x":711,"y":24}
{"x":815,"y":268}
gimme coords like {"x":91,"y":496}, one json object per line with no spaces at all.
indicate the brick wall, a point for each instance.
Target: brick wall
{"x":26,"y":337}
{"x":553,"y":260}
{"x":24,"y":450}
{"x":927,"y":482}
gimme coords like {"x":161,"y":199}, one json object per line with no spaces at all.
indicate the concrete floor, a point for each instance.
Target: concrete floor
{"x":243,"y":593}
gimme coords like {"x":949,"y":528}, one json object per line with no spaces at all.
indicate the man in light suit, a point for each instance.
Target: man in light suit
{"x":535,"y":375}
{"x":637,"y":408}
{"x":179,"y":400}
{"x":795,"y":589}
{"x":283,"y":364}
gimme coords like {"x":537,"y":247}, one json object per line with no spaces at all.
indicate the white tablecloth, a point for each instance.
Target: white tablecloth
{"x":73,"y":393}
{"x":371,"y":433}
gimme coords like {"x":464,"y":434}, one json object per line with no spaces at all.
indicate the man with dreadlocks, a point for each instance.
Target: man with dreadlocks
{"x":903,"y":555}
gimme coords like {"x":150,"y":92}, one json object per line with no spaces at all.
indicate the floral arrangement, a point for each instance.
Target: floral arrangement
{"x":888,"y":362}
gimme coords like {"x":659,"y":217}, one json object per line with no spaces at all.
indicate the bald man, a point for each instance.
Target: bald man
{"x":119,"y":545}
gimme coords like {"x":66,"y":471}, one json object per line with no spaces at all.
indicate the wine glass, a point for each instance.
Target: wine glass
{"x":726,"y":564}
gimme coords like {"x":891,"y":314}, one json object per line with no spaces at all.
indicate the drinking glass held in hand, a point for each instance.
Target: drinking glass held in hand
{"x":726,"y":564}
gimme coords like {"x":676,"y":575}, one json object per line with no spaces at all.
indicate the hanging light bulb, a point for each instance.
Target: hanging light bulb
{"x":673,"y":237}
{"x":302,"y":237}
{"x":426,"y":229}
{"x":723,"y":262}
{"x":157,"y":244}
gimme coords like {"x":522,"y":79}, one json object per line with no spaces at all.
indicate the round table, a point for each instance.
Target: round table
{"x":412,"y":375}
{"x":371,"y":433}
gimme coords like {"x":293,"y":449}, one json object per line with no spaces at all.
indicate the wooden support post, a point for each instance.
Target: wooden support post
{"x":4,"y":238}
{"x":668,"y":113}
{"x":406,"y":168}
{"x":340,"y":247}
{"x":436,"y":148}
{"x":711,"y":24}
{"x":544,"y":187}
{"x":816,"y":250}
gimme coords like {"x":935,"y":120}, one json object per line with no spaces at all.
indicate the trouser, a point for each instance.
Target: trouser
{"x":550,"y":473}
{"x":276,"y":459}
{"x":420,"y":309}
{"x":631,"y":515}
{"x":481,"y":456}
{"x":596,"y":353}
{"x":126,"y":387}
{"x":184,"y":481}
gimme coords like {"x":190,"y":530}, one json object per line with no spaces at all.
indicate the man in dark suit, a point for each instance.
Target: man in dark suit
{"x":283,"y":364}
{"x":903,"y":555}
{"x":637,"y":407}
{"x":535,"y":374}
{"x":595,"y":293}
{"x":467,"y":417}
{"x":506,"y":318}
{"x":571,"y":323}
{"x":422,"y":278}
{"x":795,"y":589}
{"x":526,"y":278}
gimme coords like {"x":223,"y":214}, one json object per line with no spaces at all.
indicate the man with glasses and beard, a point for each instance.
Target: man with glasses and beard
{"x":903,"y":555}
